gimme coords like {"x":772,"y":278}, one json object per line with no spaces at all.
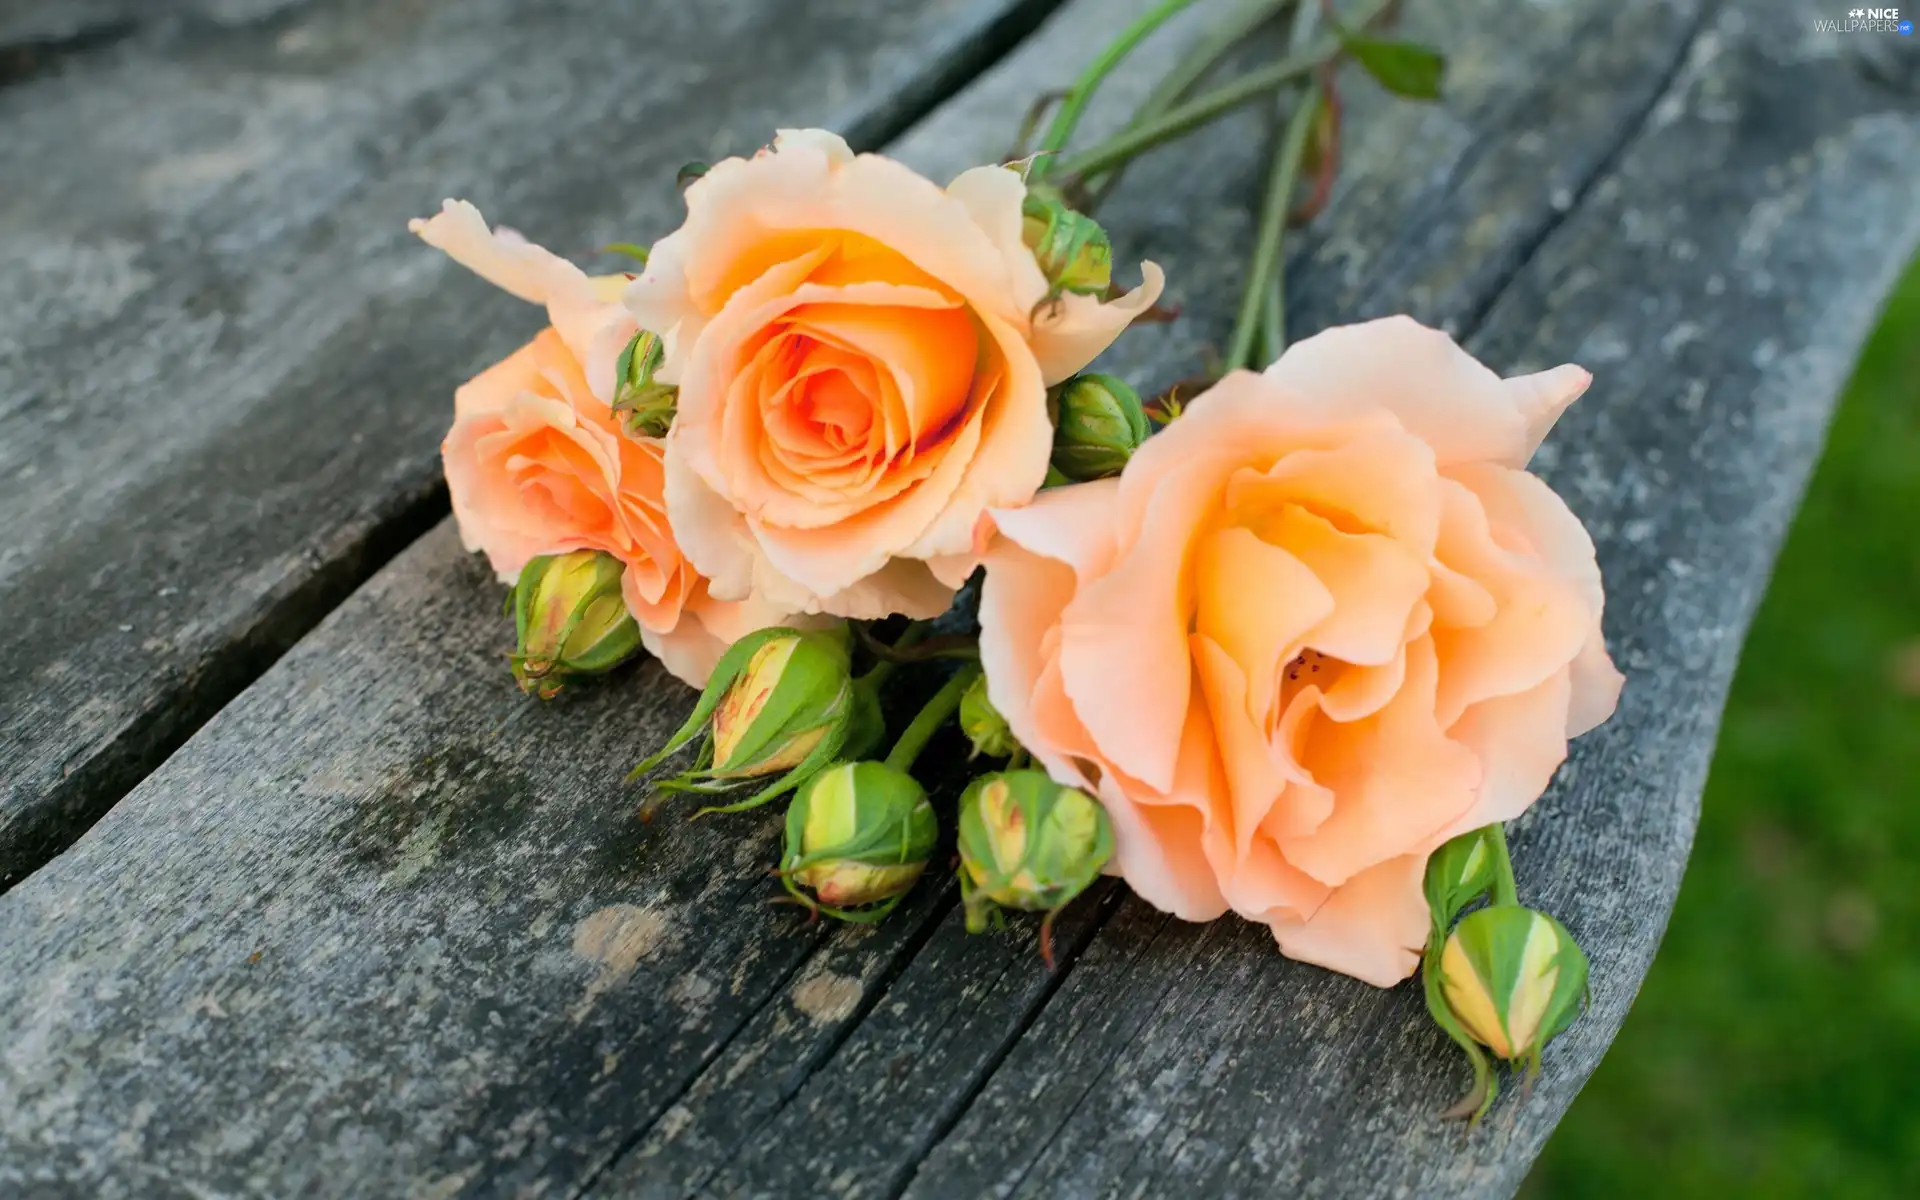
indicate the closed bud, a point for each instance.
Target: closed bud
{"x":1072,"y":250}
{"x":982,"y":722}
{"x":569,"y":619}
{"x":646,"y":406}
{"x":1098,"y":422}
{"x":780,"y":703}
{"x":794,"y":689}
{"x":858,"y":836}
{"x":1458,"y":873}
{"x":1028,"y":843}
{"x":1514,"y":979}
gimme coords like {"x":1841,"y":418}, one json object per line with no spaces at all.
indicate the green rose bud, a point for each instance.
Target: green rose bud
{"x":1072,"y":250}
{"x":569,"y":619}
{"x":646,"y":405}
{"x":794,"y":689}
{"x":1458,"y":873}
{"x":1515,"y":978}
{"x":858,"y":836}
{"x":1028,"y":843}
{"x":1098,"y":422}
{"x":781,"y":702}
{"x":983,"y":724}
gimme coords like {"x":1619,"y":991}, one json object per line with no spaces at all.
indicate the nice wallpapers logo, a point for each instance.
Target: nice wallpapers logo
{"x":1866,"y":20}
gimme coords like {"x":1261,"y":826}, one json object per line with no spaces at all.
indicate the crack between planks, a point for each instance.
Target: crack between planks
{"x":27,"y":58}
{"x":97,"y":778}
{"x":1106,"y":1064}
{"x":106,"y":773}
{"x":870,"y":998}
{"x":30,"y":58}
{"x":1471,"y":320}
{"x":973,"y":57}
{"x":694,"y":1077}
{"x":1631,"y":131}
{"x":1109,"y":905}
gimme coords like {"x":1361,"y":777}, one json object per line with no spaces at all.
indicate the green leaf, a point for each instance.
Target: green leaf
{"x":1403,"y":68}
{"x":632,"y":250}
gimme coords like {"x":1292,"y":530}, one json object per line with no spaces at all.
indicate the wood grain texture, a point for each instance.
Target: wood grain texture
{"x":385,"y":925}
{"x":224,"y":380}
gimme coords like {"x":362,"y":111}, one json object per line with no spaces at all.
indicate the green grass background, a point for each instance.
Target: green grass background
{"x":1775,"y":1049}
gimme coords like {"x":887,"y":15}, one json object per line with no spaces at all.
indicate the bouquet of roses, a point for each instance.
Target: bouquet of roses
{"x":1293,"y":647}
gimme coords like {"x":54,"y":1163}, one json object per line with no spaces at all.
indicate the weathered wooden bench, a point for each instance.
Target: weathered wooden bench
{"x":304,"y":898}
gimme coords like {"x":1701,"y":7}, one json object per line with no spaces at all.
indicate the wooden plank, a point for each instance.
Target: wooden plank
{"x":475,"y":972}
{"x":223,"y":386}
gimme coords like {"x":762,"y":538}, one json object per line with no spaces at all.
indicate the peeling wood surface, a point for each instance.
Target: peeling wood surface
{"x":347,"y":940}
{"x":224,"y":364}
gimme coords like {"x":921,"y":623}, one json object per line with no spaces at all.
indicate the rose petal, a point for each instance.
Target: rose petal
{"x":1520,"y":741}
{"x":1071,"y":330}
{"x":1371,"y":927}
{"x":1442,"y":394}
{"x":1396,"y":778}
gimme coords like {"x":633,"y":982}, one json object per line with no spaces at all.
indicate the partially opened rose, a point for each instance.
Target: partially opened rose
{"x":1322,"y":623}
{"x":862,"y":359}
{"x":537,"y":463}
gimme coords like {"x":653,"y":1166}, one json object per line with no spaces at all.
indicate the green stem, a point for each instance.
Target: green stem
{"x":1189,"y":71}
{"x":1129,"y":143}
{"x":1272,"y":340}
{"x":1075,"y":105}
{"x":1260,"y":306}
{"x":911,"y":636}
{"x":1505,"y":891}
{"x":1273,"y":313}
{"x":930,"y":719}
{"x":1198,"y":111}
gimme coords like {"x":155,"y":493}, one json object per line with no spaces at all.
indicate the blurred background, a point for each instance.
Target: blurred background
{"x":1775,"y":1049}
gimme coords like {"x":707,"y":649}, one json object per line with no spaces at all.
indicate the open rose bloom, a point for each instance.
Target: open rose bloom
{"x":862,"y":358}
{"x":537,"y":463}
{"x":1322,"y":623}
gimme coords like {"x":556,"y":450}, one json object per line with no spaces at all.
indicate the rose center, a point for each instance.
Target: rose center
{"x":1309,"y":668}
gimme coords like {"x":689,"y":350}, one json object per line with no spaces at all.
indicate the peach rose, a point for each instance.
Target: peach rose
{"x":537,"y":463}
{"x":862,"y":360}
{"x":1321,"y":624}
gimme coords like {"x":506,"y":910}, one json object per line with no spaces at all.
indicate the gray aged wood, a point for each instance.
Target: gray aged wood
{"x":385,"y":926}
{"x":223,"y":361}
